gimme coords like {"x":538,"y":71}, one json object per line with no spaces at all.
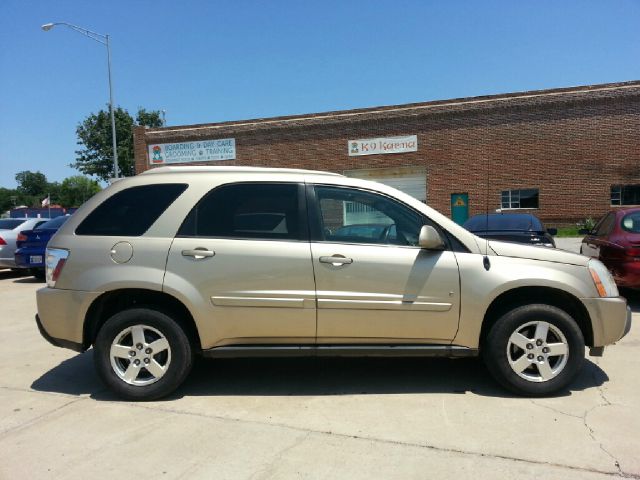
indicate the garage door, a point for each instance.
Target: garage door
{"x":410,"y":180}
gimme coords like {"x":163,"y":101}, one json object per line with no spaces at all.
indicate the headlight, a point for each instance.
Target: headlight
{"x":603,"y":280}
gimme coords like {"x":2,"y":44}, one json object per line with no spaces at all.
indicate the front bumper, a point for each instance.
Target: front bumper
{"x":610,"y":319}
{"x":61,"y":315}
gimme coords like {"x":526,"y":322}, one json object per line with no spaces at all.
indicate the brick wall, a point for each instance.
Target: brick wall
{"x":572,"y":144}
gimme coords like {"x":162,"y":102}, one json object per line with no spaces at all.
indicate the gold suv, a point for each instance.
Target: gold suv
{"x":239,"y":262}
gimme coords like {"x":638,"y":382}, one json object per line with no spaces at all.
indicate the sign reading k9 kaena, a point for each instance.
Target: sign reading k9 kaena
{"x":201,"y":151}
{"x":376,"y":146}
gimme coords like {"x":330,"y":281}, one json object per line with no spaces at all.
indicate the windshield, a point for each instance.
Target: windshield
{"x":55,"y":223}
{"x":10,"y":223}
{"x":631,"y":222}
{"x":515,"y":222}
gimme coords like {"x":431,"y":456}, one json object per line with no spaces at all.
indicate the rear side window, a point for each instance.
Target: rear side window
{"x":247,"y":210}
{"x":130,"y":212}
{"x":55,"y":223}
{"x":605,"y":225}
{"x":9,"y":224}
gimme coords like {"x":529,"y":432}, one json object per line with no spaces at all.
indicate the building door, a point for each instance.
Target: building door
{"x":459,"y":207}
{"x":409,"y":180}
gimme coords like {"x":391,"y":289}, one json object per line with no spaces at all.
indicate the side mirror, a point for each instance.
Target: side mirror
{"x":583,"y":231}
{"x":430,"y":239}
{"x":552,"y":231}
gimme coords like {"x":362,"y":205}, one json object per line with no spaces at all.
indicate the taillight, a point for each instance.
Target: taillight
{"x":632,"y":251}
{"x":54,"y":263}
{"x":21,"y":237}
{"x":2,"y":242}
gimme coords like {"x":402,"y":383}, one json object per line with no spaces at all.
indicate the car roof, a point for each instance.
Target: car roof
{"x":234,"y":169}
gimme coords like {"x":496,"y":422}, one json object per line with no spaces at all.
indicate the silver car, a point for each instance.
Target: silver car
{"x":237,"y":262}
{"x":10,"y":228}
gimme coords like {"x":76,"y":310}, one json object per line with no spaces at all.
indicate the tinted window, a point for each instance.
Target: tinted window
{"x":10,"y":224}
{"x":354,"y":216}
{"x":247,"y":210}
{"x":605,"y":225}
{"x":130,"y":212}
{"x":55,"y":223}
{"x":516,"y":222}
{"x":631,"y":222}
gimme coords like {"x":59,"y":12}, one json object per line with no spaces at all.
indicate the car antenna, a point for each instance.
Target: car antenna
{"x":485,"y":258}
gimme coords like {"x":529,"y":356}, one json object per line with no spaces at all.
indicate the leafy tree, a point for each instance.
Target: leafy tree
{"x":149,"y":119}
{"x":95,"y":137}
{"x":8,"y":199}
{"x":76,"y":190}
{"x":33,"y":184}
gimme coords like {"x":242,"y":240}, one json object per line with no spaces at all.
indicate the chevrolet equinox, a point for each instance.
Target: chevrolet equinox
{"x":254,"y":262}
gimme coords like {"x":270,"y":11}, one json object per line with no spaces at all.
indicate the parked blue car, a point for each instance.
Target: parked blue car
{"x":33,"y":243}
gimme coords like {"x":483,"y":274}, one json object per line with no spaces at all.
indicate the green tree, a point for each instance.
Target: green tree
{"x":33,"y":184}
{"x":76,"y":190}
{"x":8,"y":199}
{"x":95,"y":138}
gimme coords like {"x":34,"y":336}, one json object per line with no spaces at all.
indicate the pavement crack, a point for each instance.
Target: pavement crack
{"x":548,"y":407}
{"x":592,"y":434}
{"x":38,"y":418}
{"x":617,"y":472}
{"x":268,"y":471}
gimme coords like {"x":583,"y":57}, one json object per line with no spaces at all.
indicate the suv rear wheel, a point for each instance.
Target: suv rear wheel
{"x":534,"y":349}
{"x":142,"y":354}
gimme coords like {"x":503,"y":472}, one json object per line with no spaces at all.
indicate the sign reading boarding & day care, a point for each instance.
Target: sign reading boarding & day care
{"x":200,"y":151}
{"x":376,"y":146}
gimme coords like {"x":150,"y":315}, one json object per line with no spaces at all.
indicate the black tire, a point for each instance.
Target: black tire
{"x":180,"y":351}
{"x":495,"y":352}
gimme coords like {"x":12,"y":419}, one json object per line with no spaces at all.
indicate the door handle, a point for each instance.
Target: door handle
{"x":336,"y":260}
{"x":198,"y":253}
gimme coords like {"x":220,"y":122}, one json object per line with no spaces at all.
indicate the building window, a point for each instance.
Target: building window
{"x":525,"y":198}
{"x":625,"y":195}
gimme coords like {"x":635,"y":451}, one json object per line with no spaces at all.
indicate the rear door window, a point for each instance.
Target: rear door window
{"x":10,"y":224}
{"x":130,"y":212}
{"x":270,"y":211}
{"x":605,"y":225}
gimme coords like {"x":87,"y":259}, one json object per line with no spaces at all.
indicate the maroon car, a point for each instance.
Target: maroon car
{"x":615,"y":241}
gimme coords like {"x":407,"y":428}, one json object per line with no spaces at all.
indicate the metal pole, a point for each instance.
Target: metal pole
{"x":113,"y":118}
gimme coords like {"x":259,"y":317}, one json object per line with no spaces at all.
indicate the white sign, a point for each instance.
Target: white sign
{"x":376,"y":146}
{"x":201,"y":151}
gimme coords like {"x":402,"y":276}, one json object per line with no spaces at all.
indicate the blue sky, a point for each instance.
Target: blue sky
{"x":208,"y":61}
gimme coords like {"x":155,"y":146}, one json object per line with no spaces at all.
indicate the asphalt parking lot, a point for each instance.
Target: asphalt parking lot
{"x":314,"y":418}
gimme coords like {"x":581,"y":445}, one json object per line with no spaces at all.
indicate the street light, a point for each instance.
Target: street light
{"x":104,"y":40}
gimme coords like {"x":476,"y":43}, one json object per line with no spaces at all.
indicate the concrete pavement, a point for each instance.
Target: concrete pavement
{"x":312,"y":418}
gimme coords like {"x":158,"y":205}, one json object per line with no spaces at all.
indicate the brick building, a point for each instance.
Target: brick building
{"x":564,"y":154}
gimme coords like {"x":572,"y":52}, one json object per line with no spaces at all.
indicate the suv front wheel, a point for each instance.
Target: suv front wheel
{"x":142,"y":354}
{"x":534,"y":349}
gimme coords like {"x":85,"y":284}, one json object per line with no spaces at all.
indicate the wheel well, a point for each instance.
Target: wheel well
{"x":529,"y":295}
{"x":110,"y":303}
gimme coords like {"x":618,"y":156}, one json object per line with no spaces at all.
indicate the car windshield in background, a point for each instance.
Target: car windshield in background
{"x":53,"y":223}
{"x":516,"y":222}
{"x":10,"y":223}
{"x":631,"y":222}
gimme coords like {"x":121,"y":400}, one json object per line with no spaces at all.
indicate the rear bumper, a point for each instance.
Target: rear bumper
{"x":610,"y":319}
{"x":23,"y":258}
{"x":61,"y":315}
{"x":7,"y":263}
{"x":627,"y":274}
{"x":57,"y":342}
